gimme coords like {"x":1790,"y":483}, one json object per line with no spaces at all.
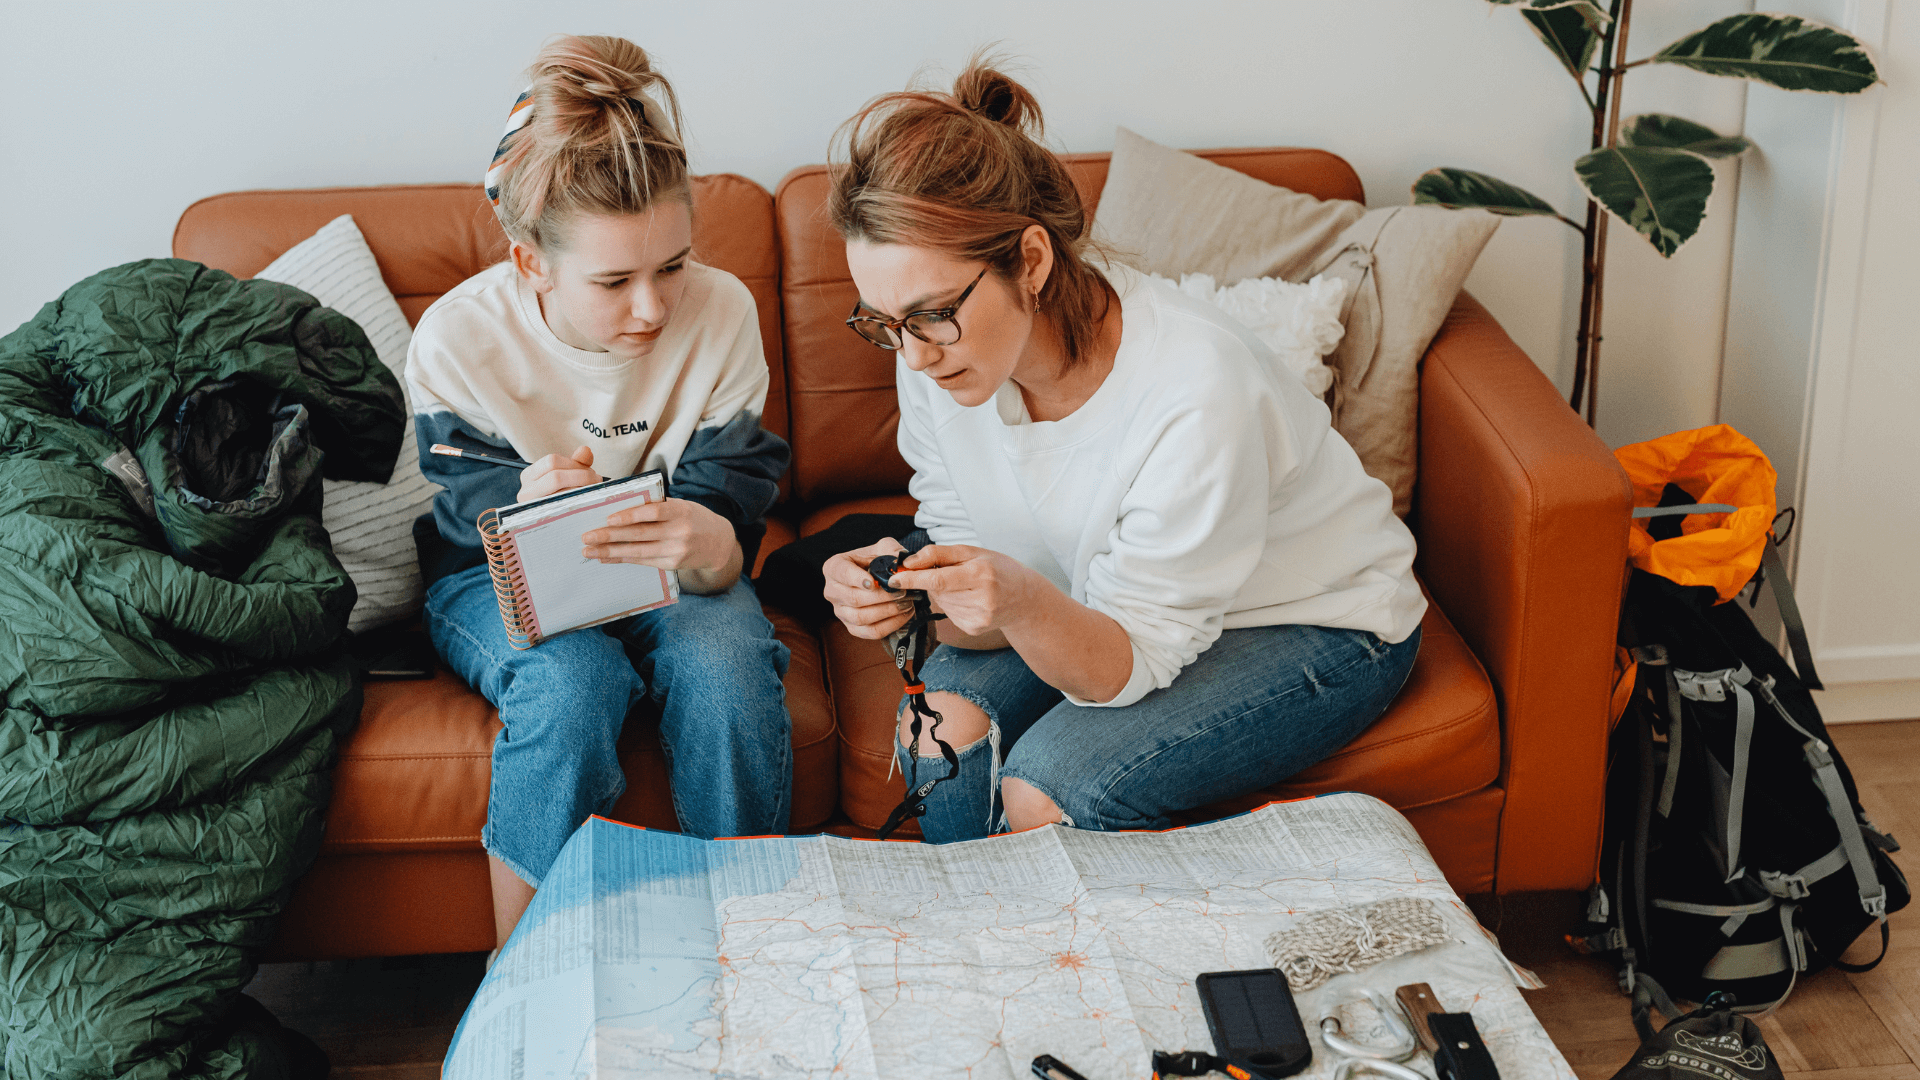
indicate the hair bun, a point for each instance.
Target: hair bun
{"x":602,"y":134}
{"x":595,"y":71}
{"x":987,"y":92}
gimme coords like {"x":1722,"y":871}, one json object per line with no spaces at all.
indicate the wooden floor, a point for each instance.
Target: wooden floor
{"x":392,"y":1019}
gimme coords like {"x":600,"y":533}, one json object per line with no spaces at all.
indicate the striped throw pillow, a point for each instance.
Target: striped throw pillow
{"x":371,"y":524}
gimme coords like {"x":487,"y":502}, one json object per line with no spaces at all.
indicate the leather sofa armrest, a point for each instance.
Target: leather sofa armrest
{"x":1522,"y":515}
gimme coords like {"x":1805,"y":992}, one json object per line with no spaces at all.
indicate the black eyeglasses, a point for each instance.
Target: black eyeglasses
{"x":935,"y":327}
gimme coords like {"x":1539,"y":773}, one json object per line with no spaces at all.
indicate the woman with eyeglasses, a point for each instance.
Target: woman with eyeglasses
{"x":1166,"y":578}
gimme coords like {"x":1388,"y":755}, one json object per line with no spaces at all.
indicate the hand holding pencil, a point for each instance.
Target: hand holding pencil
{"x":548,"y":476}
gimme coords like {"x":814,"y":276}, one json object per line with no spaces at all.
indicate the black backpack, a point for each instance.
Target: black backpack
{"x":1735,"y":856}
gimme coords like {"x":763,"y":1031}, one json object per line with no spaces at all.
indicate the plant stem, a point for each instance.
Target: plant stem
{"x":1594,"y":335}
{"x":1587,"y":237}
{"x":1600,"y":240}
{"x":1585,"y":339}
{"x":1619,"y":73}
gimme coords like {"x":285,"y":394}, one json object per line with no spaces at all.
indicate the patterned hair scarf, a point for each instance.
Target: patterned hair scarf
{"x":517,"y":119}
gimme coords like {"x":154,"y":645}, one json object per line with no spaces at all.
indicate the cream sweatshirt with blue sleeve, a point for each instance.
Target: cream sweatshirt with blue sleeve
{"x":485,"y":372}
{"x":1200,"y":489}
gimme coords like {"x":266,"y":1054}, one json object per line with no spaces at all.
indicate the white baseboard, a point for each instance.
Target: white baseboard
{"x":1848,"y":703}
{"x":1870,"y":664}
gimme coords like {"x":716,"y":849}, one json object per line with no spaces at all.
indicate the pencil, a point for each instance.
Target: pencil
{"x":454,"y":451}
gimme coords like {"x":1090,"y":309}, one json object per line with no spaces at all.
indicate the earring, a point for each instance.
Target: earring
{"x":1036,"y":301}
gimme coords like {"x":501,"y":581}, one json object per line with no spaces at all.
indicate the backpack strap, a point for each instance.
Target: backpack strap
{"x":1873,"y":895}
{"x":1684,"y":508}
{"x":1674,"y":729}
{"x":1649,"y":995}
{"x":1797,"y":885}
{"x":1871,"y":964}
{"x":1776,"y":571}
{"x":1715,"y":686}
{"x":1853,"y":835}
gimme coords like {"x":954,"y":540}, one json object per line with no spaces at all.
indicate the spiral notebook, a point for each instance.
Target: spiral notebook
{"x":545,"y":586}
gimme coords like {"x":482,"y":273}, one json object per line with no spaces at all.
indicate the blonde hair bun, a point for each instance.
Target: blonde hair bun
{"x":603,"y":137}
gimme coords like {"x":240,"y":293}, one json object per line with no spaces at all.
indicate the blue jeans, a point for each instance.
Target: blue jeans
{"x":711,"y":664}
{"x":1258,"y":706}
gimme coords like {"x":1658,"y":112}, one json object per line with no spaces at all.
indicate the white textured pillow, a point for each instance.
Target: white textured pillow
{"x":371,"y":524}
{"x":1300,"y":322}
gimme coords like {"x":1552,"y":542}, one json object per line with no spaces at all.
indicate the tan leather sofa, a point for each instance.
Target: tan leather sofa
{"x":1495,"y":749}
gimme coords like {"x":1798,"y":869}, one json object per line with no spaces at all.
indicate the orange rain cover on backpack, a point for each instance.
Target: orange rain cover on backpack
{"x":1714,"y":465}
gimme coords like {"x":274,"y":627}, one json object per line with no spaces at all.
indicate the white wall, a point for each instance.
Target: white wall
{"x":1821,"y":362}
{"x":122,"y":113}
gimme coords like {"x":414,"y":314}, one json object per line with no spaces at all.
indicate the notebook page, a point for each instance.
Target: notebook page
{"x":570,"y":590}
{"x":520,"y":515}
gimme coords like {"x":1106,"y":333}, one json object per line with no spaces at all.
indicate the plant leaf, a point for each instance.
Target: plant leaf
{"x":1783,"y":50}
{"x":1658,"y":190}
{"x":1572,"y":30}
{"x":1590,"y":10}
{"x":1658,"y":129}
{"x":1458,"y":189}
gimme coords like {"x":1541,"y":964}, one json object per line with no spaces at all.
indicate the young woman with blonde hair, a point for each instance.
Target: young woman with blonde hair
{"x":1167,"y":579}
{"x":602,"y":349}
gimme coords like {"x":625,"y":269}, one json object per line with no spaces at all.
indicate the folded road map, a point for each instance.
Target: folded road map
{"x":652,"y":954}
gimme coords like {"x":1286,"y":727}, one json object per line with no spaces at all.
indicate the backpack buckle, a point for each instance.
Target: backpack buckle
{"x":1785,"y":886}
{"x":1875,"y":902}
{"x":1817,"y":755}
{"x":1702,"y":685}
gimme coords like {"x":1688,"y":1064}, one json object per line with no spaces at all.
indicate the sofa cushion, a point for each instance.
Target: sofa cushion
{"x":1169,"y":212}
{"x":1440,"y":738}
{"x":780,"y":533}
{"x":413,"y":776}
{"x":824,"y":518}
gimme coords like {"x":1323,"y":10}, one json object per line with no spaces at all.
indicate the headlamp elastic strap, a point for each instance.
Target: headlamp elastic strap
{"x":910,"y":646}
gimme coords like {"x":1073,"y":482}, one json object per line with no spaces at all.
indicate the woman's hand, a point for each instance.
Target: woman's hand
{"x":981,"y":591}
{"x":673,"y":535}
{"x":864,"y":608}
{"x":554,"y":474}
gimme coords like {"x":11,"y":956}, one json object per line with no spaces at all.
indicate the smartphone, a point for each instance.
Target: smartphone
{"x":1254,"y":1021}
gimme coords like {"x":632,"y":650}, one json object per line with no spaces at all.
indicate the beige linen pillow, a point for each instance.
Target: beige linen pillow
{"x":371,"y":524}
{"x":1168,"y":212}
{"x":1403,"y":266}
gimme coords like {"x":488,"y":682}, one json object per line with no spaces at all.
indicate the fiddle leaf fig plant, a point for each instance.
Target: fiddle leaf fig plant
{"x":1650,"y":171}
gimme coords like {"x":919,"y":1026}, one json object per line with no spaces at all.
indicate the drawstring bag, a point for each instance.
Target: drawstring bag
{"x":1718,"y":470}
{"x":1735,"y":856}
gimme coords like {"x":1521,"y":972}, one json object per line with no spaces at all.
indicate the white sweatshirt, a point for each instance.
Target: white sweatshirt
{"x":1200,"y":489}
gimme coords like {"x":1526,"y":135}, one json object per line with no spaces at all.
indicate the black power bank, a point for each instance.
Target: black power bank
{"x":1254,"y":1022}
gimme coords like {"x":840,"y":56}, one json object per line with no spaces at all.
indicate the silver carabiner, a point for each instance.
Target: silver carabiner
{"x":1403,"y":1046}
{"x":1353,"y":1066}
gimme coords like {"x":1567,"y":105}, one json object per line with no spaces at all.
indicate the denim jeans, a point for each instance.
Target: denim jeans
{"x":711,"y":664}
{"x":1258,"y":706}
